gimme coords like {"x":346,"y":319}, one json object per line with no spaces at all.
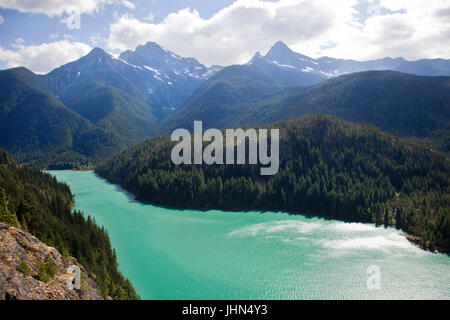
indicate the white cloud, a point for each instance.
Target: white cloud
{"x":413,"y":30}
{"x":407,"y":28}
{"x":52,"y":7}
{"x":59,"y":7}
{"x":45,"y":57}
{"x":1,"y":19}
{"x":233,"y":34}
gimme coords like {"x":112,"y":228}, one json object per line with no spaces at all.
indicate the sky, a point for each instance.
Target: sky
{"x":44,"y":34}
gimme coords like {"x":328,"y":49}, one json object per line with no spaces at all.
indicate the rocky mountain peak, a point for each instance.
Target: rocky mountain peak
{"x":280,"y":47}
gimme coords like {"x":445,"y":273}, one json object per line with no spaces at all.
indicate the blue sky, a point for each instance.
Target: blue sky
{"x":35,"y":33}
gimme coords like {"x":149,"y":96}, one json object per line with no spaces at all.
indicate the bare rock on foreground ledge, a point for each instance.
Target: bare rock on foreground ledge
{"x":21,"y":258}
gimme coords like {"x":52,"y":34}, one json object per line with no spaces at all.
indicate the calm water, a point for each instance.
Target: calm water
{"x":188,"y":254}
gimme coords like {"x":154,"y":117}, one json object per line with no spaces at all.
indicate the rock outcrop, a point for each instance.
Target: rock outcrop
{"x":23,"y":261}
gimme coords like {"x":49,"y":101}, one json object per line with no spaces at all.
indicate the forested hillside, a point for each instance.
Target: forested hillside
{"x":328,"y":167}
{"x":38,"y":204}
{"x":226,"y":100}
{"x":90,"y":123}
{"x":33,"y":123}
{"x":120,"y":120}
{"x":402,"y":104}
{"x":405,"y":105}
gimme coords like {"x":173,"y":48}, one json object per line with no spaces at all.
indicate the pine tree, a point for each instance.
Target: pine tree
{"x":7,"y":216}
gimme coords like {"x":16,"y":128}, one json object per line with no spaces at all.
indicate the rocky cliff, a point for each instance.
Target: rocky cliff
{"x":30,"y":270}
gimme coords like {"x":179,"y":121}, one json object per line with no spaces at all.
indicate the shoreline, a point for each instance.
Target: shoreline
{"x":415,"y":240}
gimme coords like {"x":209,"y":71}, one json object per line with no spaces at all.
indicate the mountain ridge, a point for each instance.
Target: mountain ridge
{"x":158,"y":77}
{"x":406,"y":105}
{"x":41,"y":130}
{"x":292,"y":68}
{"x":31,"y":119}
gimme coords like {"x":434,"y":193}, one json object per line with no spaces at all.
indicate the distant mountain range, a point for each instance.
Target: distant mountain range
{"x":87,"y":110}
{"x":34,"y":125}
{"x":291,"y":68}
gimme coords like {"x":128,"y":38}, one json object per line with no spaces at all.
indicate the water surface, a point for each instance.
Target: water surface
{"x":189,"y":254}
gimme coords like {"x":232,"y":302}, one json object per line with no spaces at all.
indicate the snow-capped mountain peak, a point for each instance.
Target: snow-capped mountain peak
{"x":292,"y":68}
{"x":156,"y":57}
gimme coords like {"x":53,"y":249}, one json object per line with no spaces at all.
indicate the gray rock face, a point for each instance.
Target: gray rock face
{"x":18,"y":248}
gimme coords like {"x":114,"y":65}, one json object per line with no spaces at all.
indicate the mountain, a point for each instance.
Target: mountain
{"x":151,"y":74}
{"x":38,"y":204}
{"x":328,"y":167}
{"x":174,"y":77}
{"x":33,"y":123}
{"x":119,"y":119}
{"x":167,"y":63}
{"x":218,"y":101}
{"x":287,"y":67}
{"x":291,"y":68}
{"x":97,"y":121}
{"x":402,"y":104}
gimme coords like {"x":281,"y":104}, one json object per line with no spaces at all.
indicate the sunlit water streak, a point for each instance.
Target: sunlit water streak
{"x":189,"y":254}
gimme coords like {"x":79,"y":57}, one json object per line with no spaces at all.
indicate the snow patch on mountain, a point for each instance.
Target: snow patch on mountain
{"x":129,"y":64}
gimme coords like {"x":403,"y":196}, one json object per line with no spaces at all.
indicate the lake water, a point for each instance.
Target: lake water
{"x":189,"y":254}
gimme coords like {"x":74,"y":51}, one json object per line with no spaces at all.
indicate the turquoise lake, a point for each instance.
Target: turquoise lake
{"x":189,"y":254}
